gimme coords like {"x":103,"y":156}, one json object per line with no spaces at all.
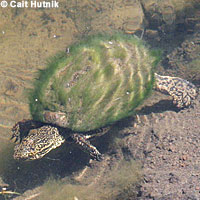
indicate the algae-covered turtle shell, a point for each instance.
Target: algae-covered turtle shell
{"x":98,"y":82}
{"x":101,"y":80}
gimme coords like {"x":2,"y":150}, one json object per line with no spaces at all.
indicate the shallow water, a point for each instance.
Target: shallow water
{"x":28,"y":38}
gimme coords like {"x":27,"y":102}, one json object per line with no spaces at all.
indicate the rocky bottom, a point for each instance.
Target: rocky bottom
{"x":168,"y":145}
{"x":164,"y":142}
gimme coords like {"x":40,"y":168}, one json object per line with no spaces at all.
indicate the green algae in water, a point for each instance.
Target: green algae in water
{"x":102,"y":80}
{"x":119,"y":183}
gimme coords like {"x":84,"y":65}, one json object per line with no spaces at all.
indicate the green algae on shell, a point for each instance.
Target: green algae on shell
{"x":100,"y":81}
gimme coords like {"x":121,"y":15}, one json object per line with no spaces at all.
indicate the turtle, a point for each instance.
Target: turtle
{"x":85,"y":90}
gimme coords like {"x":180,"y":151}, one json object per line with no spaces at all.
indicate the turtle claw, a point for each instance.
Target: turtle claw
{"x":13,"y":136}
{"x":22,"y":128}
{"x":95,"y":154}
{"x":16,"y":132}
{"x":182,"y":91}
{"x":16,"y":139}
{"x":98,"y":157}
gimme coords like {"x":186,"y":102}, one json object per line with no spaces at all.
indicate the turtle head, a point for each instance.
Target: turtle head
{"x":38,"y":143}
{"x":57,"y":118}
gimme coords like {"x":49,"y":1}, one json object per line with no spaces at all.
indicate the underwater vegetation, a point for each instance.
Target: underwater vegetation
{"x":101,"y":80}
{"x":119,"y":183}
{"x":21,"y":176}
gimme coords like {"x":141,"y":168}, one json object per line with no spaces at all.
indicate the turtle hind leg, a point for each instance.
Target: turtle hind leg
{"x":183,"y":92}
{"x":84,"y":144}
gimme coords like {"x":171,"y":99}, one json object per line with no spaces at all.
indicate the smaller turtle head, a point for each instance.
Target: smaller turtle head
{"x":38,"y":143}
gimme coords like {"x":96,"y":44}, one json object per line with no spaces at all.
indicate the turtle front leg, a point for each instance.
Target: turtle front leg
{"x":22,"y":128}
{"x":84,"y":144}
{"x":182,"y":91}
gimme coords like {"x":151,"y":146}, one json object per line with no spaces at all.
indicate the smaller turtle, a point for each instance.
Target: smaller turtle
{"x":101,"y":81}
